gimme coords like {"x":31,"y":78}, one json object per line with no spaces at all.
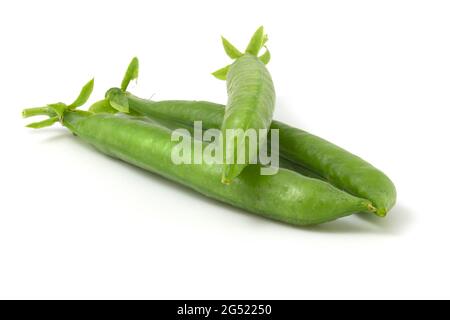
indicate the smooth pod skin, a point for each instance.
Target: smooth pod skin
{"x":251,"y":101}
{"x":338,"y":166}
{"x":345,"y":170}
{"x":287,"y":196}
{"x":175,"y":125}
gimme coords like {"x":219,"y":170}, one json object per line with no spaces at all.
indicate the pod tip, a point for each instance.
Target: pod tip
{"x":381,"y":212}
{"x":226,"y":181}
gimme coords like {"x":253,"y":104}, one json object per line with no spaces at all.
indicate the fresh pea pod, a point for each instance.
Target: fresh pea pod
{"x":251,"y":102}
{"x":338,"y":166}
{"x":175,"y":125}
{"x":342,"y":168}
{"x":285,"y":196}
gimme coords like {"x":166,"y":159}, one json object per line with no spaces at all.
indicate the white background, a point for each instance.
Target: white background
{"x":371,"y":76}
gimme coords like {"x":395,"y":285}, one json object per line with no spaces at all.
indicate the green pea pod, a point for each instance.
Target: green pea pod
{"x":285,"y":196}
{"x":344,"y":169}
{"x":338,"y":166}
{"x":251,"y":102}
{"x":103,"y":107}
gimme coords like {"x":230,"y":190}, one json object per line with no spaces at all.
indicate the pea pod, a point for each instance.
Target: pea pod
{"x":175,"y":125}
{"x":286,"y":196}
{"x":251,"y":102}
{"x":338,"y":166}
{"x":344,"y":169}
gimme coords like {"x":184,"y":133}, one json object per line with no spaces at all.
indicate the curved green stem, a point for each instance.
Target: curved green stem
{"x":56,"y":111}
{"x":40,"y":111}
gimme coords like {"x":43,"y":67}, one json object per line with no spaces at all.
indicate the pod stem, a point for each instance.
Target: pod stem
{"x":116,"y":98}
{"x":40,"y":111}
{"x":55,"y":112}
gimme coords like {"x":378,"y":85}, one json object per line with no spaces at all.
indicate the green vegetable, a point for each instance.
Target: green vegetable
{"x":338,"y":166}
{"x":251,"y":101}
{"x":286,"y":196}
{"x":342,"y":168}
{"x":103,"y":107}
